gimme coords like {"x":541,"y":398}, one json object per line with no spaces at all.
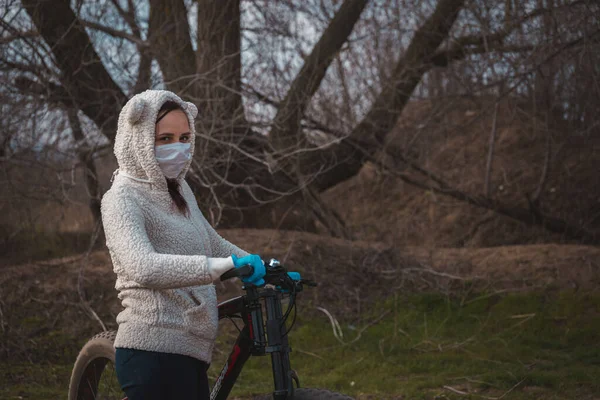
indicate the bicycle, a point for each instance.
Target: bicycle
{"x":94,"y":376}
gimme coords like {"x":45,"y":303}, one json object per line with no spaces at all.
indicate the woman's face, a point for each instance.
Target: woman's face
{"x":173,"y":128}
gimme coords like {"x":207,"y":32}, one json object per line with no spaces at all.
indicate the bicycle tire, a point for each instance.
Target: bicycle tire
{"x":310,"y":394}
{"x":93,"y":357}
{"x":90,"y":372}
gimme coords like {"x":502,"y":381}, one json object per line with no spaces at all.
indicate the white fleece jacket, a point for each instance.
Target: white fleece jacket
{"x":161,"y":257}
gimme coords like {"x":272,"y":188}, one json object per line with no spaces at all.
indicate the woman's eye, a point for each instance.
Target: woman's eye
{"x":185,"y":138}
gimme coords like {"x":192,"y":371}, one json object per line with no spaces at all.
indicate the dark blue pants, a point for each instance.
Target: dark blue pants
{"x":150,"y":375}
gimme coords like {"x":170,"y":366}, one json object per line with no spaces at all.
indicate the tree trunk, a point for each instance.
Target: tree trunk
{"x":169,"y":37}
{"x":219,"y":65}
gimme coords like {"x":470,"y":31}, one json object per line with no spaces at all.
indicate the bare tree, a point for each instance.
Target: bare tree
{"x":280,"y":125}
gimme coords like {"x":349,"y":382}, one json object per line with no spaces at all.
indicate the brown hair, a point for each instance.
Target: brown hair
{"x":172,"y":184}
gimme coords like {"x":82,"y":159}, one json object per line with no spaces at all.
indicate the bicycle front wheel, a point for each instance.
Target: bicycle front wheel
{"x":94,"y":376}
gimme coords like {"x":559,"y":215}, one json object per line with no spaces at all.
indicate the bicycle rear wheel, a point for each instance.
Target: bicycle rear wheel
{"x":94,"y":376}
{"x":310,"y":394}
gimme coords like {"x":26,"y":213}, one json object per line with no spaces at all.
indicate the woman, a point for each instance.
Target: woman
{"x":164,"y":252}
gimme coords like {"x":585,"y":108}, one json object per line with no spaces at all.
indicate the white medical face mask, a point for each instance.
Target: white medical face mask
{"x":172,"y":157}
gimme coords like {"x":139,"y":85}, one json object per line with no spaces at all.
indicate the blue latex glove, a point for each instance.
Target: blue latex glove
{"x":256,"y":262}
{"x":295,"y":277}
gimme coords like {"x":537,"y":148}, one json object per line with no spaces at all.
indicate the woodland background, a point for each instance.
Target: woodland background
{"x":415,"y":157}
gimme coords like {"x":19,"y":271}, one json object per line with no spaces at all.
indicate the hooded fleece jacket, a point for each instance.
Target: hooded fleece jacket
{"x":161,"y":257}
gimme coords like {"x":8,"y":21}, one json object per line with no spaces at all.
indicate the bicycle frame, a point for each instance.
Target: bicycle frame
{"x":253,"y":342}
{"x":264,"y":333}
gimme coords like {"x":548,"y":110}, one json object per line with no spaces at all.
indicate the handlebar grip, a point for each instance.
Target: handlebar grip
{"x":241,"y":272}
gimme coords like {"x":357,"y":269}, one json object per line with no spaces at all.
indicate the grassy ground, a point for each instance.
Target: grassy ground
{"x":516,"y":346}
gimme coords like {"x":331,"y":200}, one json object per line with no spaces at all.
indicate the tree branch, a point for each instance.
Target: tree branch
{"x":51,"y":92}
{"x":345,"y":160}
{"x":535,"y":197}
{"x":145,"y":68}
{"x":22,"y":35}
{"x":443,"y":58}
{"x":141,"y":44}
{"x":488,"y":168}
{"x":83,"y":76}
{"x":128,"y":16}
{"x":286,"y":123}
{"x":527,"y":216}
{"x":484,"y":43}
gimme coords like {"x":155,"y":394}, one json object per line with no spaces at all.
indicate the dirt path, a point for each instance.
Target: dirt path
{"x":351,"y":274}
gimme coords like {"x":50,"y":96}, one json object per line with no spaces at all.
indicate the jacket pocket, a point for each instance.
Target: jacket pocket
{"x":202,"y":320}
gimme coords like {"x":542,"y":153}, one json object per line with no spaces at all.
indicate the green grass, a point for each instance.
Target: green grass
{"x":543,"y":346}
{"x":425,"y":346}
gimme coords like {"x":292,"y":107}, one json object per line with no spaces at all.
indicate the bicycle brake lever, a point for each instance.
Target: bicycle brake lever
{"x":241,"y":272}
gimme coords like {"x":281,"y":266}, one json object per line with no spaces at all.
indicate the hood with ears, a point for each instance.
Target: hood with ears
{"x":134,"y":143}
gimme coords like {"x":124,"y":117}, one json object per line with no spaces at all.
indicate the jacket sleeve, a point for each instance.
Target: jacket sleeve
{"x":135,"y":257}
{"x":221,"y":247}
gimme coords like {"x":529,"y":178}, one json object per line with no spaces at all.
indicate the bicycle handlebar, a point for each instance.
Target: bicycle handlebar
{"x":240,"y":272}
{"x":276,"y":275}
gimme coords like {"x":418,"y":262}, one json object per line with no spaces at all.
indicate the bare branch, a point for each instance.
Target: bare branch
{"x":478,"y":44}
{"x":116,"y":33}
{"x":388,"y":106}
{"x":19,"y":36}
{"x":488,"y":168}
{"x":83,"y":75}
{"x":87,"y":159}
{"x":287,"y":121}
{"x":535,"y":197}
{"x":524,"y":215}
{"x":145,"y":67}
{"x":128,"y":16}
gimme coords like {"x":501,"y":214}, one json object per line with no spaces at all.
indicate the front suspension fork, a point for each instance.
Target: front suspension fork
{"x":277,"y":345}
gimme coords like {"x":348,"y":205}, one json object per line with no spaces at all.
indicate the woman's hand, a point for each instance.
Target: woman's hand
{"x":257,"y":263}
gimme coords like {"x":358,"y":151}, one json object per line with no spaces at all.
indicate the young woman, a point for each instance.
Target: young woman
{"x":164,"y":252}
